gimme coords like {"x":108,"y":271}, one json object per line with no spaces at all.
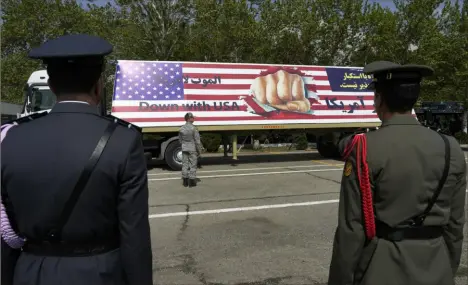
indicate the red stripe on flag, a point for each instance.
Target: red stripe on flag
{"x":245,"y":86}
{"x":174,"y":109}
{"x":212,"y":109}
{"x":237,"y":76}
{"x":214,"y":97}
{"x":346,"y":108}
{"x":284,"y":116}
{"x":236,"y":97}
{"x":315,"y":88}
{"x":217,"y":86}
{"x":346,"y":97}
{"x":247,"y":66}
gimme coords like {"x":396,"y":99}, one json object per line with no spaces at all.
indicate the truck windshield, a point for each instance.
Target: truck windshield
{"x":42,"y":98}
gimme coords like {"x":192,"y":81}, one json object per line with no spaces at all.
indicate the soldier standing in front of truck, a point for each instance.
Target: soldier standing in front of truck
{"x":401,"y":208}
{"x":189,"y":138}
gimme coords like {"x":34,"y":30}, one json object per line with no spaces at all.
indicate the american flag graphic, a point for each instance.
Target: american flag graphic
{"x":159,"y":94}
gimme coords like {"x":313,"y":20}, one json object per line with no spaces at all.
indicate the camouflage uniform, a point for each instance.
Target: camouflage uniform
{"x":189,"y":138}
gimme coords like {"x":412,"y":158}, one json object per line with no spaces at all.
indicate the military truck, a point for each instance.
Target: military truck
{"x":230,"y":99}
{"x":445,"y":117}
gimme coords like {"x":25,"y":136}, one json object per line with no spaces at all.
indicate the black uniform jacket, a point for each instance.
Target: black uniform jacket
{"x":41,"y":162}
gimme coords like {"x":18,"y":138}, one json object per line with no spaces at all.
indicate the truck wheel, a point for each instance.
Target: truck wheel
{"x":173,"y":156}
{"x":328,"y":149}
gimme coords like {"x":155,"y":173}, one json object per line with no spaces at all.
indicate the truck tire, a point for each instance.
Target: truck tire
{"x":328,"y":149}
{"x":149,"y":157}
{"x":173,"y":156}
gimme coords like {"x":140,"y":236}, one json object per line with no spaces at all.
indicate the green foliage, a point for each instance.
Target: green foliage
{"x":211,"y":142}
{"x":461,"y":137}
{"x":324,"y":32}
{"x":29,"y":23}
{"x":301,"y":141}
{"x":159,"y":27}
{"x":26,"y":24}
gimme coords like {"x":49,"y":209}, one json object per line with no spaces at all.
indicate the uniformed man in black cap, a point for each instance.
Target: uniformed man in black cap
{"x":77,"y":181}
{"x":415,"y":196}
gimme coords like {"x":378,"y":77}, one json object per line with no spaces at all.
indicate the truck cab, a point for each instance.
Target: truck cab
{"x":38,"y":97}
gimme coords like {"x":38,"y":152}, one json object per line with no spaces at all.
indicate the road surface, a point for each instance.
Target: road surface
{"x":269,"y":220}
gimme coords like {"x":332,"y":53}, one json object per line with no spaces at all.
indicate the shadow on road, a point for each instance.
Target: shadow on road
{"x":249,"y":158}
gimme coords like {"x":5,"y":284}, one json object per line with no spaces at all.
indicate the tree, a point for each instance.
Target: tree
{"x":29,"y":23}
{"x":380,"y":33}
{"x":225,"y":32}
{"x":163,"y":25}
{"x":325,"y":32}
{"x":309,"y":32}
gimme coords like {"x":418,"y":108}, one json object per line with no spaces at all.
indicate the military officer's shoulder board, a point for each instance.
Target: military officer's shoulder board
{"x":123,"y":123}
{"x":366,"y":130}
{"x":26,"y":119}
{"x":348,"y":169}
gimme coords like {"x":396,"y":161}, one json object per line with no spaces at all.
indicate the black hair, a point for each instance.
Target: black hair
{"x":70,"y":78}
{"x":399,"y":96}
{"x":188,"y":116}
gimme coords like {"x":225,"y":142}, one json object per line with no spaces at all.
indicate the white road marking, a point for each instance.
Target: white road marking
{"x":245,"y":169}
{"x":250,"y":174}
{"x":242,"y":209}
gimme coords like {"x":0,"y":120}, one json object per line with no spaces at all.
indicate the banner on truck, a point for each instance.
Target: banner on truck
{"x":158,"y":94}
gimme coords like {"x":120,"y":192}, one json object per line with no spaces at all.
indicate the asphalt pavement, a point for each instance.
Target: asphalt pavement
{"x":262,"y":220}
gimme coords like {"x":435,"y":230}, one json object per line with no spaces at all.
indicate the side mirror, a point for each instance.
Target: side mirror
{"x":28,"y":105}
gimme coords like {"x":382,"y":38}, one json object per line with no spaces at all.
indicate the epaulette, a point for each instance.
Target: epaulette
{"x":366,"y":130}
{"x":27,"y":118}
{"x":123,"y":123}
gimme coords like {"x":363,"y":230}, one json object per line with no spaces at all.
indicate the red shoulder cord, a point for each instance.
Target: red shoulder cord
{"x":360,"y":142}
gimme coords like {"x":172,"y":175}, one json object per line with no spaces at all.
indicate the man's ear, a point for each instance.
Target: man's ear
{"x":382,"y":102}
{"x":97,"y":90}
{"x":378,"y":100}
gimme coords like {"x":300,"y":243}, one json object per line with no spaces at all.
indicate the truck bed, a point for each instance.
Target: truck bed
{"x":220,"y":128}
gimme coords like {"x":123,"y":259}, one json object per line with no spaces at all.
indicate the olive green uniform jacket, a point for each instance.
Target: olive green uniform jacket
{"x":406,"y":162}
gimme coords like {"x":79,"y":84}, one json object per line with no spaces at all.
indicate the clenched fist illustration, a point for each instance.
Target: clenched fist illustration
{"x":281,"y":90}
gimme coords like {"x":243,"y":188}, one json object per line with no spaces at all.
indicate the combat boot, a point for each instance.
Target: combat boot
{"x":186,"y":182}
{"x":192,"y":182}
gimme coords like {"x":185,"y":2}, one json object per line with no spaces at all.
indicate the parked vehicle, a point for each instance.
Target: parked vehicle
{"x":231,"y":98}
